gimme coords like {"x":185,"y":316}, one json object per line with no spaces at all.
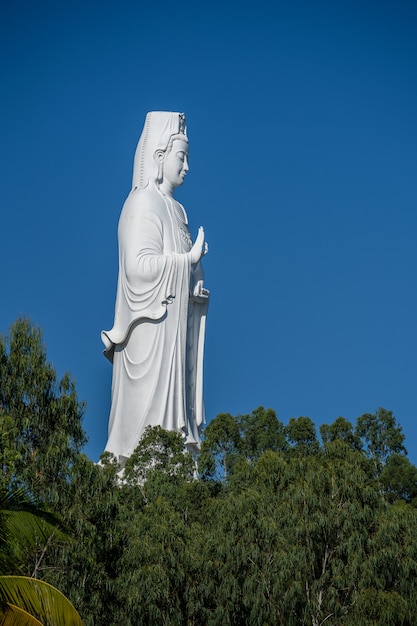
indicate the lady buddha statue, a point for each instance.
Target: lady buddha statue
{"x":156,"y":343}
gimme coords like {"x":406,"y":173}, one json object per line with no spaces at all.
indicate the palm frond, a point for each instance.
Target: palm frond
{"x":24,"y":526}
{"x":11,"y":615}
{"x":39,"y":599}
{"x":21,"y":500}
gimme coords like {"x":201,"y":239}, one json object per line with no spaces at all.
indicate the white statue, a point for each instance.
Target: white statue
{"x":156,"y":343}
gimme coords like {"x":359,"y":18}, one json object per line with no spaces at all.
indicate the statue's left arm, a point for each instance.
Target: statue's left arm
{"x":198,"y":292}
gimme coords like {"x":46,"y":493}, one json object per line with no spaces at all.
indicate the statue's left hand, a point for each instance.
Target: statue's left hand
{"x":200,"y":294}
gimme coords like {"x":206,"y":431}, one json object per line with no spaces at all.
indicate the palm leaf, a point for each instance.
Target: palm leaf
{"x":23,"y":526}
{"x":20,"y":501}
{"x":11,"y":615}
{"x":26,"y":532}
{"x":39,"y":599}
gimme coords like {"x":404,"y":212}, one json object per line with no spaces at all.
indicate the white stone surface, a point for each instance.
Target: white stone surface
{"x":157,"y":341}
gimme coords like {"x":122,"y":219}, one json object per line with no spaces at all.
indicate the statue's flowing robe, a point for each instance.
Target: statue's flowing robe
{"x":156,"y":343}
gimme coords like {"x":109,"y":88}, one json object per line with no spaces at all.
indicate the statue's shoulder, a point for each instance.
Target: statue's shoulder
{"x":143,"y":201}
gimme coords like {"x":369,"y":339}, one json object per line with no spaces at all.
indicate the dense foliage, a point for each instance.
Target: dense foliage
{"x":282,"y":526}
{"x":35,"y":459}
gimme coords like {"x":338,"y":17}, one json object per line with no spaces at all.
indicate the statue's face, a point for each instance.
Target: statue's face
{"x":176,"y":163}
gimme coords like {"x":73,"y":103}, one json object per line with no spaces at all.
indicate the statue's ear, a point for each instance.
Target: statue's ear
{"x":159,"y":155}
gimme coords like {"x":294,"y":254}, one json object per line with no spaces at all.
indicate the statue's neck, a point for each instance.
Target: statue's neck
{"x":166,"y":188}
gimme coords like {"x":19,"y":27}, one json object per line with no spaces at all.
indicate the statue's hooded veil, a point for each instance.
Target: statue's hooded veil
{"x":159,"y":127}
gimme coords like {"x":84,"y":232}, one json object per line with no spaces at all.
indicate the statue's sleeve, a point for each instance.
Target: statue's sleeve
{"x":149,"y":277}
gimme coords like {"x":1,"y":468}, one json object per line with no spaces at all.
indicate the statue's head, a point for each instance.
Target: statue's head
{"x":162,"y":152}
{"x":172,"y":163}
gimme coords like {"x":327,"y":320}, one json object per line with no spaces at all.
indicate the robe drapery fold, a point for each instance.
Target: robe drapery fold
{"x":157,"y":341}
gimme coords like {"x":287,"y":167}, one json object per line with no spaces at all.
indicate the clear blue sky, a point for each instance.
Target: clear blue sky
{"x":302,"y":127}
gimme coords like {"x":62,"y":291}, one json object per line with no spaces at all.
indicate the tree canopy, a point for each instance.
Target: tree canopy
{"x":277,"y":524}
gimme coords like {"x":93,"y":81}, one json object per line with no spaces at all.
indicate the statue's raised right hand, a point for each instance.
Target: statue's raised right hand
{"x":199,"y":248}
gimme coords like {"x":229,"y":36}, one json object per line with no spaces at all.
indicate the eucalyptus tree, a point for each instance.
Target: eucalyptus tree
{"x":85,"y":567}
{"x":220,"y":447}
{"x":343,"y":430}
{"x":301,"y":434}
{"x":41,"y":413}
{"x":162,"y":517}
{"x":399,"y":479}
{"x":381,"y":436}
{"x":260,"y":430}
{"x":230,"y":439}
{"x":308,"y":539}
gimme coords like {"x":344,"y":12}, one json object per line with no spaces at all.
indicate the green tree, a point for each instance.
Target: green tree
{"x":301,"y":433}
{"x":47,"y":434}
{"x":9,"y":454}
{"x":229,"y":440}
{"x":399,"y":479}
{"x":159,"y":451}
{"x":387,"y":590}
{"x":260,"y":431}
{"x":220,"y":447}
{"x":307,"y":539}
{"x":153,"y":568}
{"x":381,"y":436}
{"x":159,"y":519}
{"x":343,"y":430}
{"x":85,"y":567}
